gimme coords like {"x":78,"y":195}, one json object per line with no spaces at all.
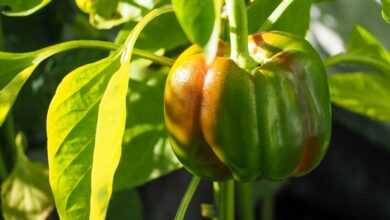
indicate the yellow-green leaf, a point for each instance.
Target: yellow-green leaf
{"x":71,"y":130}
{"x":364,"y":93}
{"x":15,"y":70}
{"x":108,"y":142}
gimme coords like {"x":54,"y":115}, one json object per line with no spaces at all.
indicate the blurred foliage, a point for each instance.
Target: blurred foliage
{"x":363,"y":92}
{"x":26,"y":194}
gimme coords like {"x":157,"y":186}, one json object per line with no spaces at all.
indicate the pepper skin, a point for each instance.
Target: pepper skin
{"x":272,"y":122}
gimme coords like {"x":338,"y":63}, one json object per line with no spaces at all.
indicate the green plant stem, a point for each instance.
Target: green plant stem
{"x":267,"y":208}
{"x":238,"y":29}
{"x":224,"y":196}
{"x":275,"y":15}
{"x":133,"y":36}
{"x":70,"y":45}
{"x":245,"y":201}
{"x":187,"y":198}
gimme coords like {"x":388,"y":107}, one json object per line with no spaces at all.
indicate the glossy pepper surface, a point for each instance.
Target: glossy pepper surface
{"x":272,"y":122}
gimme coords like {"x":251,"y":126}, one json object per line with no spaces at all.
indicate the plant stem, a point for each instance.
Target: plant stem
{"x":267,"y":208}
{"x":224,"y":195}
{"x":245,"y":201}
{"x":238,"y":29}
{"x":70,"y":45}
{"x":133,"y":36}
{"x":187,"y":198}
{"x":275,"y":15}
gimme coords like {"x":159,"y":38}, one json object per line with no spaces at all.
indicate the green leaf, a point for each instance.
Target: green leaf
{"x":71,"y":129}
{"x":146,"y":154}
{"x":22,"y":7}
{"x":201,"y":21}
{"x":26,"y":194}
{"x":85,"y":127}
{"x":16,"y":68}
{"x":386,"y":10}
{"x":364,"y":49}
{"x":295,"y":19}
{"x":108,"y":141}
{"x":363,"y":93}
{"x":125,"y":204}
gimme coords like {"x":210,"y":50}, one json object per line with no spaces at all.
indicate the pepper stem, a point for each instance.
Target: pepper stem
{"x":224,"y":196}
{"x":267,"y":208}
{"x":238,"y":29}
{"x":245,"y":199}
{"x":187,"y":198}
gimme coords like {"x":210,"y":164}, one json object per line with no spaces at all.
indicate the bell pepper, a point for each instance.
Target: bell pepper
{"x":272,"y":121}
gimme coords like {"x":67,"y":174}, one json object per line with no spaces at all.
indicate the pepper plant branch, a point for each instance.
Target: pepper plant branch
{"x":69,"y":45}
{"x":238,"y":29}
{"x":133,"y":36}
{"x":275,"y":15}
{"x":187,"y":198}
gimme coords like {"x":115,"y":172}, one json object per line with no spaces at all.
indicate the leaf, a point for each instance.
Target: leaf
{"x":26,"y":194}
{"x":363,"y":93}
{"x":22,"y":7}
{"x":71,"y":129}
{"x":146,"y":154}
{"x":295,"y":19}
{"x":364,"y":49}
{"x":108,"y":141}
{"x":201,"y":21}
{"x":15,"y":70}
{"x":86,"y":122}
{"x":386,"y":10}
{"x":125,"y":204}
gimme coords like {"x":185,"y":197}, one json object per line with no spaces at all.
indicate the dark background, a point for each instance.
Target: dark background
{"x":353,"y":181}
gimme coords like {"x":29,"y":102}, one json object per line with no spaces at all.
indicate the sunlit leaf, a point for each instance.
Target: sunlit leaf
{"x":71,"y":130}
{"x":22,"y":7}
{"x":85,"y":127}
{"x":25,"y":194}
{"x":201,"y":22}
{"x":295,"y":19}
{"x":16,"y":68}
{"x":108,"y":142}
{"x":364,"y":48}
{"x":364,"y":93}
{"x":146,"y":153}
{"x":14,"y":72}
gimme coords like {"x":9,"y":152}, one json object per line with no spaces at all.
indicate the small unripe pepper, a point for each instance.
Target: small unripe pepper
{"x":272,"y":122}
